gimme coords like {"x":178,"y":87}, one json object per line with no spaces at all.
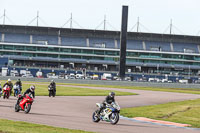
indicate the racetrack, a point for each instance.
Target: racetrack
{"x":75,"y":112}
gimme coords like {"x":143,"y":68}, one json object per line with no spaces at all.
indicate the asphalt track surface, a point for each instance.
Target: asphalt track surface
{"x":75,"y":112}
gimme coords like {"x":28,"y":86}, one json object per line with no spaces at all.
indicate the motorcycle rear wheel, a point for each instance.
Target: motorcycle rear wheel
{"x":27,"y":108}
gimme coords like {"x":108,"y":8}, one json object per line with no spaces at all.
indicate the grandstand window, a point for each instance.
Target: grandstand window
{"x":53,"y":49}
{"x":99,"y":52}
{"x":64,"y":56}
{"x":28,"y":54}
{"x":98,"y":58}
{"x":177,"y":56}
{"x":19,"y":47}
{"x":85,"y":51}
{"x":75,"y":57}
{"x":30,"y":48}
{"x":86,"y":57}
{"x":41,"y":48}
{"x":53,"y":55}
{"x":111,"y":53}
{"x":132,"y":54}
{"x":109,"y":58}
{"x":1,"y":46}
{"x":196,"y":58}
{"x":66,"y":50}
{"x":8,"y":47}
{"x":188,"y":57}
{"x":76,"y":50}
{"x":166,"y":56}
{"x":41,"y":55}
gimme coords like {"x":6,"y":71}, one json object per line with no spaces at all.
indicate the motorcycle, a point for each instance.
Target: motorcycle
{"x":0,"y":92}
{"x":51,"y":91}
{"x":16,"y":90}
{"x":6,"y":92}
{"x":109,"y":114}
{"x":24,"y":104}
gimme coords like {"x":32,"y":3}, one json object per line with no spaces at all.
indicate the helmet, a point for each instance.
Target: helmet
{"x":32,"y":88}
{"x":9,"y":80}
{"x":18,"y":79}
{"x":111,"y":94}
{"x":52,"y":81}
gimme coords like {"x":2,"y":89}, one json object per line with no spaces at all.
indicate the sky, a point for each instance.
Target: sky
{"x":154,"y":15}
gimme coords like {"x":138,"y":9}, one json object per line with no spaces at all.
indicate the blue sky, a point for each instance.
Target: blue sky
{"x":155,"y":15}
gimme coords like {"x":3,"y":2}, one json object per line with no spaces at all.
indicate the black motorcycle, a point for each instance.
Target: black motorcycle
{"x":52,"y":91}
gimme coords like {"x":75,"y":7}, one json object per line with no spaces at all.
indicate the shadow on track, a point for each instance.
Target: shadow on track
{"x":7,"y":106}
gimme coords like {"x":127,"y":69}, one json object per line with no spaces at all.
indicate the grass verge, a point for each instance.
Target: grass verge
{"x":178,"y":90}
{"x":42,"y":90}
{"x":8,"y":126}
{"x":186,"y":112}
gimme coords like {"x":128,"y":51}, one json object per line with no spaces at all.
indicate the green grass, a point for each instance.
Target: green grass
{"x":187,"y":112}
{"x":8,"y":126}
{"x":178,"y":90}
{"x":42,"y":90}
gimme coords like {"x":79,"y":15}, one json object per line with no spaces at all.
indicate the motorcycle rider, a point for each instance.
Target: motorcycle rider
{"x":0,"y":89}
{"x":53,"y":85}
{"x":29,"y":90}
{"x":109,"y":99}
{"x":10,"y":84}
{"x":19,"y":83}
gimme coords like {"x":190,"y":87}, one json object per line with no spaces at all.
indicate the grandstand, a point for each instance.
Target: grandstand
{"x":98,"y":50}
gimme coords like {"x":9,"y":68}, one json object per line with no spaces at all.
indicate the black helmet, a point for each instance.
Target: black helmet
{"x":18,"y":79}
{"x":112,"y":94}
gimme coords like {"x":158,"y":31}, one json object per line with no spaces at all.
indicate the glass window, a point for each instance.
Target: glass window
{"x":65,"y":50}
{"x":85,"y":51}
{"x":86,"y":57}
{"x":76,"y":50}
{"x":8,"y":47}
{"x":53,"y":49}
{"x":30,"y":48}
{"x":64,"y":56}
{"x":75,"y":57}
{"x":42,"y":49}
{"x":19,"y":47}
{"x":99,"y":52}
{"x":111,"y":53}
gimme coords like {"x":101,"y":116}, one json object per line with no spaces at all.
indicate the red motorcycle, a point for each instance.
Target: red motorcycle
{"x":6,"y":92}
{"x":24,"y":104}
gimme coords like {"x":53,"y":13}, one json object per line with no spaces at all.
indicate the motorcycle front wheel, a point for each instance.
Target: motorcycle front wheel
{"x":95,"y":117}
{"x":114,"y":118}
{"x":4,"y":95}
{"x":27,"y":108}
{"x":16,"y":107}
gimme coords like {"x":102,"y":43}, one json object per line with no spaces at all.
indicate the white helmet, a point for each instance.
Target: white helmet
{"x":32,"y":88}
{"x":9,"y":80}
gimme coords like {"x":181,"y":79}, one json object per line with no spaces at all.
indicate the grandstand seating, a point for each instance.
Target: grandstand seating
{"x":17,"y":38}
{"x":185,"y":47}
{"x":157,"y":46}
{"x":102,"y":42}
{"x":42,"y":39}
{"x":73,"y":41}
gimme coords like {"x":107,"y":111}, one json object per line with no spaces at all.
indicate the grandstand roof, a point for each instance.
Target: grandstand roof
{"x":97,"y":33}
